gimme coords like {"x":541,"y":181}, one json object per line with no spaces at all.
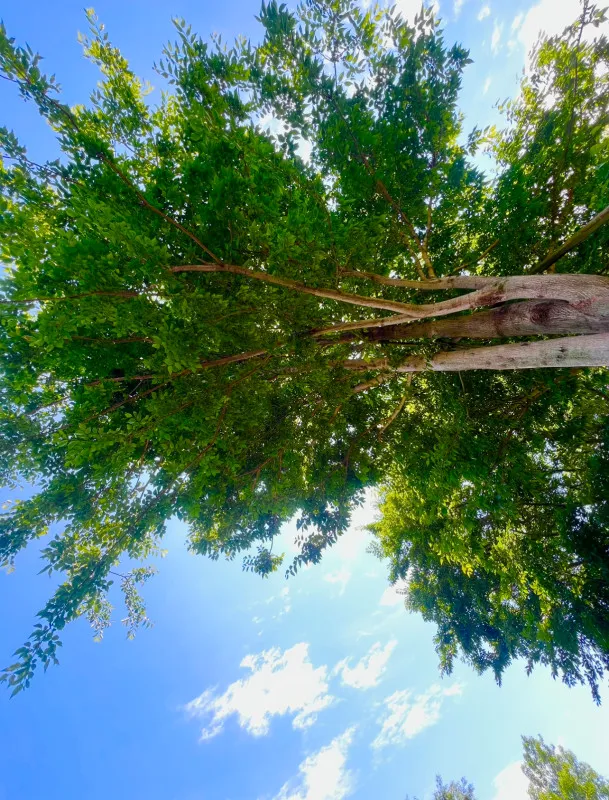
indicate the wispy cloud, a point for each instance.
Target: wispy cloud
{"x":457,"y":7}
{"x":352,"y":544}
{"x":324,"y":774}
{"x":517,"y":22}
{"x":487,"y":85}
{"x":496,"y":37}
{"x":284,"y":596}
{"x":271,"y":125}
{"x":280,"y":683}
{"x":406,"y":716}
{"x":395,"y":594}
{"x":484,"y":12}
{"x":511,"y":783}
{"x":550,"y":17}
{"x":410,"y":8}
{"x":340,"y":576}
{"x":369,"y":669}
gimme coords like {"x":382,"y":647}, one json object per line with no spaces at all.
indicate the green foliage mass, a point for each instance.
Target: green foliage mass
{"x":168,"y":280}
{"x":498,"y":521}
{"x":455,"y":790}
{"x":556,"y":774}
{"x":553,"y":774}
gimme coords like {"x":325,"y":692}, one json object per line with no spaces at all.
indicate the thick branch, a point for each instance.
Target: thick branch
{"x":582,"y":291}
{"x":63,"y":298}
{"x":288,"y":283}
{"x":437,"y":285}
{"x":573,"y":351}
{"x":581,"y":235}
{"x":530,"y":318}
{"x":147,"y":204}
{"x":218,"y":362}
{"x":554,"y":287}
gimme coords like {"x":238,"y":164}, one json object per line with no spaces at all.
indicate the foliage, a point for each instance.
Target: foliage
{"x":174,"y":283}
{"x":556,"y":774}
{"x":553,"y":773}
{"x":461,"y":790}
{"x":496,"y":515}
{"x":509,"y":555}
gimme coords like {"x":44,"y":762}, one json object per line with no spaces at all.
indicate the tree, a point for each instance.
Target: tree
{"x":455,"y":790}
{"x":556,"y":774}
{"x":461,"y":790}
{"x":509,"y":553}
{"x":553,"y":773}
{"x":199,"y":323}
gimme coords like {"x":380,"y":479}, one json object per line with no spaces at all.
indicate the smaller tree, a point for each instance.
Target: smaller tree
{"x":461,"y":790}
{"x":553,"y":772}
{"x":556,"y":774}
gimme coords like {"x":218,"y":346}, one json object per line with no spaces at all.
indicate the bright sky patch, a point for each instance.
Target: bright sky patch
{"x":406,"y":716}
{"x":280,"y":683}
{"x":368,"y":670}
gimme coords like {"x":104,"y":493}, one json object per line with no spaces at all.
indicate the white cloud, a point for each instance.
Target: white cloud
{"x":280,"y":683}
{"x":496,"y":37}
{"x":457,"y":6}
{"x":341,"y":577}
{"x":484,"y":12}
{"x":324,"y":774}
{"x":304,"y":149}
{"x":550,"y":17}
{"x":369,"y":669}
{"x":394,"y":595}
{"x":511,"y":783}
{"x":405,"y":716}
{"x":517,"y":22}
{"x":410,"y":8}
{"x":284,"y":594}
{"x":352,"y":544}
{"x":487,"y":85}
{"x":284,"y":598}
{"x":271,"y":125}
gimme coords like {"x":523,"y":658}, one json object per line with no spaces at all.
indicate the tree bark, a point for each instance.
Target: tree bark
{"x":573,"y":304}
{"x":534,"y":318}
{"x":581,"y":291}
{"x":573,"y":351}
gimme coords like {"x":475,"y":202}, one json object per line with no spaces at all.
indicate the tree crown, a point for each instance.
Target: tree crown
{"x":190,"y":309}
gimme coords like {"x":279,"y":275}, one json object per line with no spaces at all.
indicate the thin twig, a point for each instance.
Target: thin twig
{"x":476,"y":260}
{"x":397,"y":411}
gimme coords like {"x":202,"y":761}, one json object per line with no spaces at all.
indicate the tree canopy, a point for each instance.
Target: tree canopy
{"x":199,"y":322}
{"x":455,"y":790}
{"x":553,"y":773}
{"x":556,"y":774}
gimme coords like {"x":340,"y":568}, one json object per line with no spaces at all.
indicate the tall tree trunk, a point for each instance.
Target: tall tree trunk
{"x":534,"y":318}
{"x":572,"y":351}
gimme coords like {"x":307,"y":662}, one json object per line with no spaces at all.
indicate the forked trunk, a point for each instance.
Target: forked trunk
{"x":574,"y":308}
{"x":533,"y":318}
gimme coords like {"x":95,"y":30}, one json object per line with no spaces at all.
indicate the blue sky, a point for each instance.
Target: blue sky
{"x":317,"y":688}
